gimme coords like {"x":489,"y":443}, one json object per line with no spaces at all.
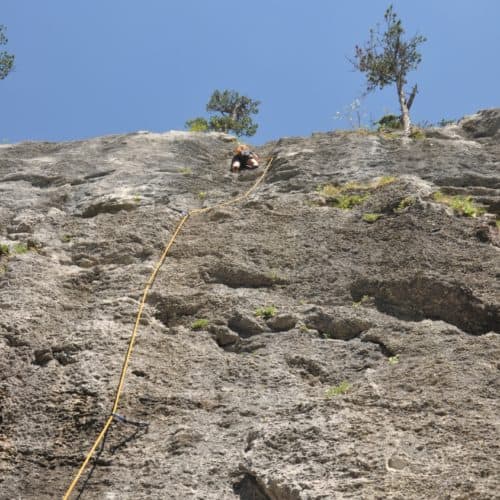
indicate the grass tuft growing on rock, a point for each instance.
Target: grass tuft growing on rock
{"x":328,"y":190}
{"x":461,"y":205}
{"x":185,"y":171}
{"x":347,"y":201}
{"x":404,"y":204}
{"x":4,"y":249}
{"x":199,"y":324}
{"x":337,"y":390}
{"x":20,"y":248}
{"x":371,"y":217}
{"x":266,"y":312}
{"x":393,"y":360}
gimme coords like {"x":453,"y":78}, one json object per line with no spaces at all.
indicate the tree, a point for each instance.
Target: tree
{"x":234,"y":112}
{"x":387,"y":58}
{"x":6,"y":59}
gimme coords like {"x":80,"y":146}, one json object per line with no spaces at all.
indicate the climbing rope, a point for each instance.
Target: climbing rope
{"x":114,"y":415}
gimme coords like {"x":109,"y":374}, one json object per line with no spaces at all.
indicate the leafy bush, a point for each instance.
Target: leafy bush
{"x":233,"y":114}
{"x":197,"y":125}
{"x":443,"y":122}
{"x":389,"y":122}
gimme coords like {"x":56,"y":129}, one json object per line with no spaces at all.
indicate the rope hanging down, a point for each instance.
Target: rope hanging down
{"x":132,"y":339}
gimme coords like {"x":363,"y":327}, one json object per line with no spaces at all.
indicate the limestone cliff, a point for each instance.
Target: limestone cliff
{"x":333,"y":336}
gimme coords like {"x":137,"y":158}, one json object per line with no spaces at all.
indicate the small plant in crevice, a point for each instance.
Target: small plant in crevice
{"x":266,"y":312}
{"x":185,"y":171}
{"x":393,"y":360}
{"x":361,"y":301}
{"x":369,"y":217}
{"x":406,"y":202}
{"x":4,"y":249}
{"x":20,"y":248}
{"x":202,"y":195}
{"x":338,"y":390}
{"x":66,"y":238}
{"x":461,"y":205}
{"x":199,"y":324}
{"x":274,"y":275}
{"x":137,"y":198}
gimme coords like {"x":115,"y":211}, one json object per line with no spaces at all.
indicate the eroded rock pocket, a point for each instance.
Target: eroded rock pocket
{"x":421,"y":297}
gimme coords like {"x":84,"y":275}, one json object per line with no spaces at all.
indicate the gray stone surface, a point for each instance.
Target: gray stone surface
{"x":377,"y":378}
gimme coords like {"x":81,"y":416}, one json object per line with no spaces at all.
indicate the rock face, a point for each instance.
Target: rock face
{"x":345,"y":353}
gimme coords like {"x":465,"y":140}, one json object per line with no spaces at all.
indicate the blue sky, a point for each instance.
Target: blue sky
{"x":98,"y":67}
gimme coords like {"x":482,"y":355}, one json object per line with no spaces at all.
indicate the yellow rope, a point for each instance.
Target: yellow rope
{"x":131,"y":343}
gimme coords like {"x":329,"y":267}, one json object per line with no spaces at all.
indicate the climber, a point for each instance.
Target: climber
{"x":244,"y":159}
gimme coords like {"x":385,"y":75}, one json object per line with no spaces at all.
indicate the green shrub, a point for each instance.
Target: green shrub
{"x":337,"y":390}
{"x":266,"y":312}
{"x":371,"y":217}
{"x":4,"y":249}
{"x":443,"y":122}
{"x":197,"y":125}
{"x":462,"y":205}
{"x":199,"y":324}
{"x":389,"y":122}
